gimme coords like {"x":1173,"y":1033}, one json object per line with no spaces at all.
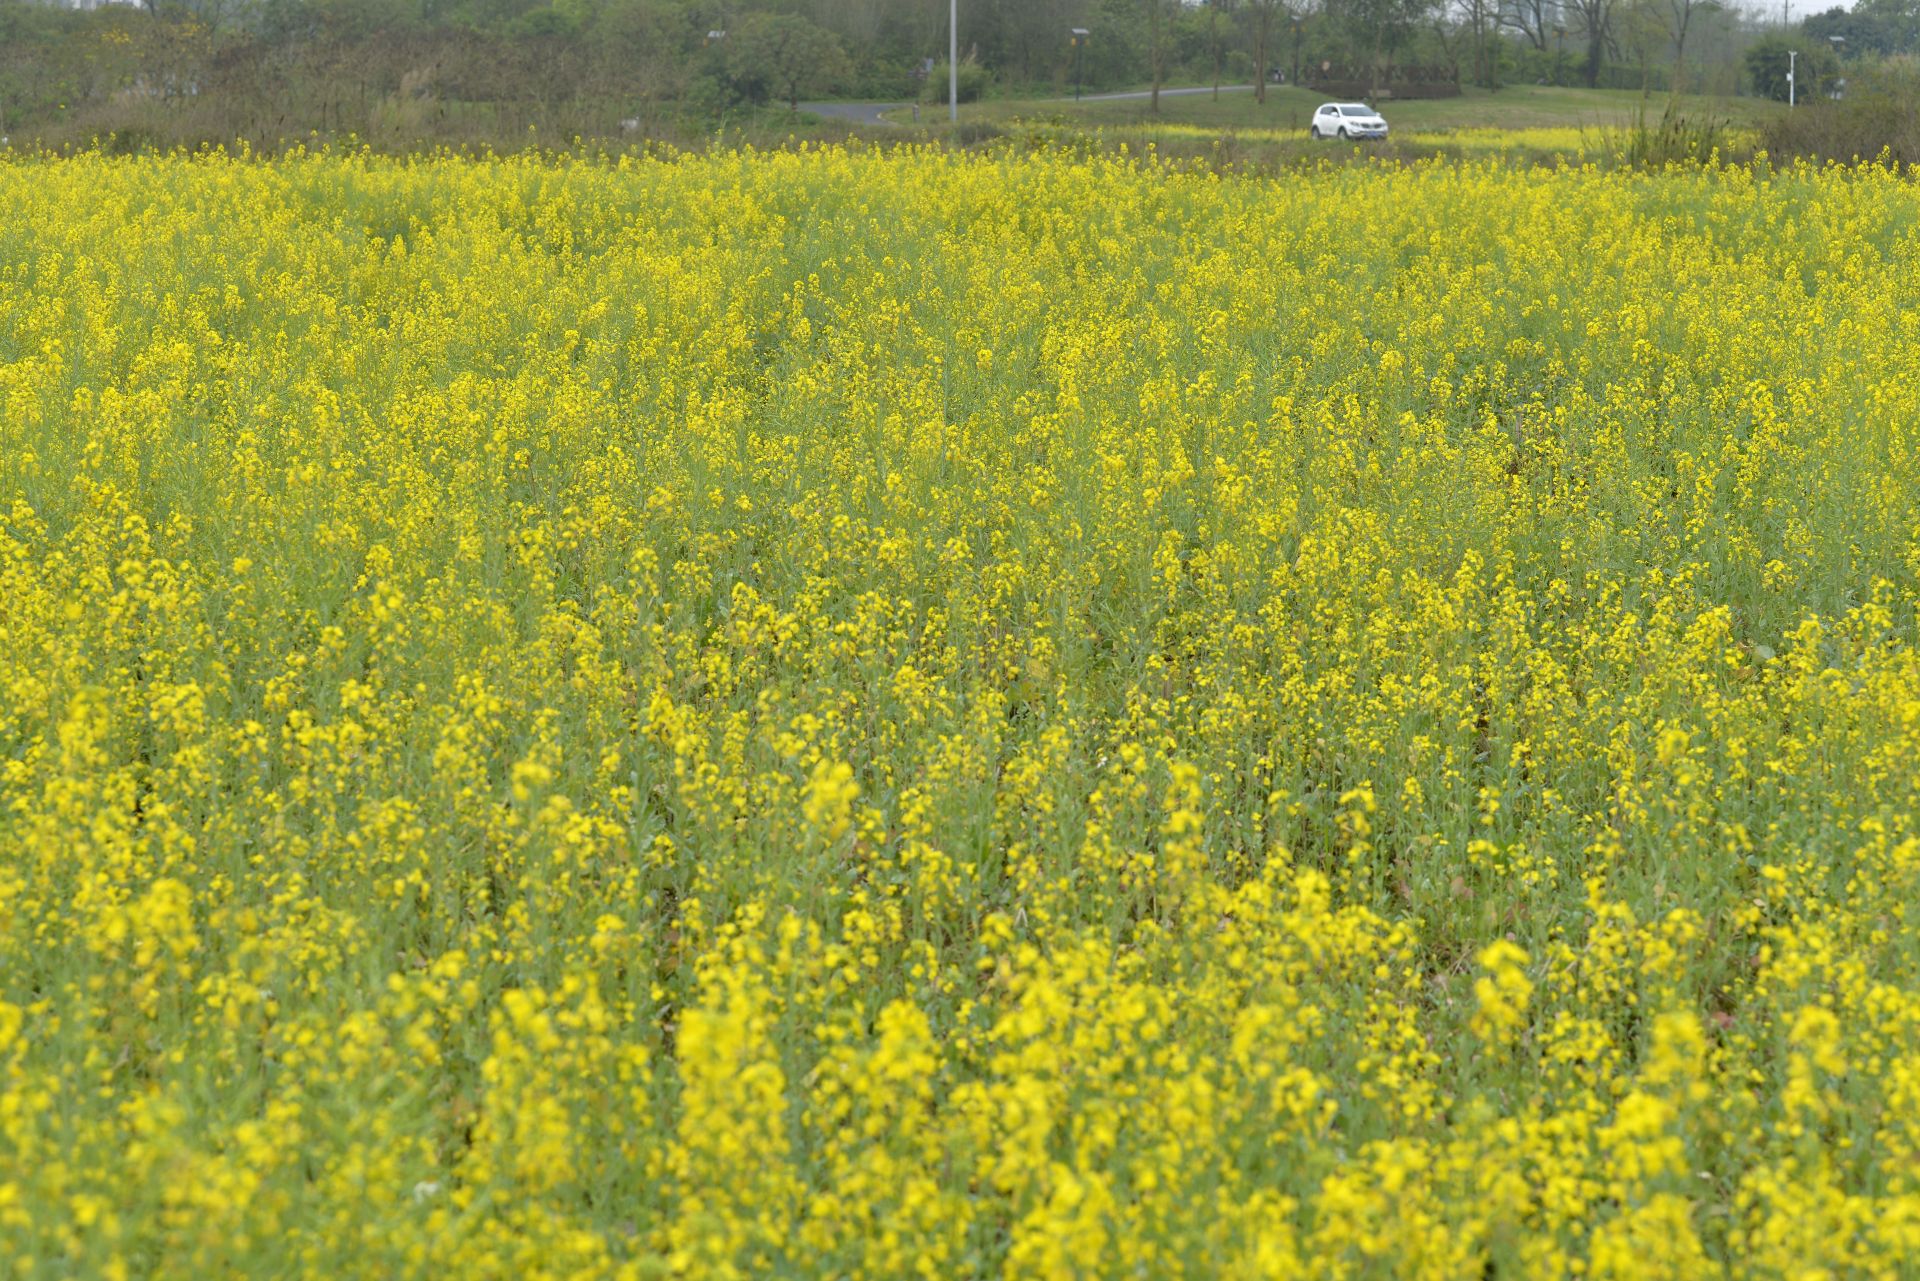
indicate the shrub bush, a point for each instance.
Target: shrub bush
{"x":974,"y":83}
{"x":1675,"y":138}
{"x":1878,"y":119}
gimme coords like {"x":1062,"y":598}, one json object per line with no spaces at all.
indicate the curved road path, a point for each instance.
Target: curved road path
{"x":869,"y":113}
{"x":1148,"y":93}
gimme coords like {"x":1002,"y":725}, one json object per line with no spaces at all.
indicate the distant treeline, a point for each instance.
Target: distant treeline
{"x":490,"y":70}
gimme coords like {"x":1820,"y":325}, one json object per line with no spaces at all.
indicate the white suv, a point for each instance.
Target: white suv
{"x":1347,"y":120}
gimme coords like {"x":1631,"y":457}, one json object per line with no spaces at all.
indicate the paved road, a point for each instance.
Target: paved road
{"x":868,"y":113}
{"x":1148,"y":93}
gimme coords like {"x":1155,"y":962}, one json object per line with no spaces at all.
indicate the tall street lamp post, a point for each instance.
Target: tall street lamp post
{"x":953,"y":61}
{"x":1079,"y":35}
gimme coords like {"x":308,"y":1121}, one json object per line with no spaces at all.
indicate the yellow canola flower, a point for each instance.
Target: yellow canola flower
{"x":904,"y":712}
{"x":829,"y":797}
{"x":1501,"y":993}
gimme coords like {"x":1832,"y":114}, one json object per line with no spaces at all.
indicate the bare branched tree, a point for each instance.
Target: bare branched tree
{"x":1595,"y":19}
{"x":1678,"y":17}
{"x":1260,"y":19}
{"x":1474,"y":23}
{"x":1157,"y":46}
{"x":1533,"y":19}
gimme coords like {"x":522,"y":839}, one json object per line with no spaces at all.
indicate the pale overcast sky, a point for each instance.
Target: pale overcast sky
{"x":1796,"y":8}
{"x":1801,"y":8}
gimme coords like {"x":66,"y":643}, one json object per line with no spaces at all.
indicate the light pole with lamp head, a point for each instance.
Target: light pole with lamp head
{"x":1079,"y":37}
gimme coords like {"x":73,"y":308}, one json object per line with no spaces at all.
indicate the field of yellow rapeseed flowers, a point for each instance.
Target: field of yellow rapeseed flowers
{"x":887,"y":715}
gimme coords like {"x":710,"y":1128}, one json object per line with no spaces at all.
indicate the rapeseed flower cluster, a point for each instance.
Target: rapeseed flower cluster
{"x":912,"y":714}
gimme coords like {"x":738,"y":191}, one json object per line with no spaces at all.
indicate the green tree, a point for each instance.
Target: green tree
{"x":784,"y":54}
{"x":1859,"y":33}
{"x":1814,"y":69}
{"x":1896,"y":22}
{"x":1375,"y":31}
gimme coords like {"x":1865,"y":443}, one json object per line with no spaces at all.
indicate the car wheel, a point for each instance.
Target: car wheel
{"x":1343,"y":131}
{"x":1314,"y":132}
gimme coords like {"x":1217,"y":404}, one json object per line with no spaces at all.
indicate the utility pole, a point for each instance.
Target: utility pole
{"x":1791,"y":55}
{"x":953,"y":61}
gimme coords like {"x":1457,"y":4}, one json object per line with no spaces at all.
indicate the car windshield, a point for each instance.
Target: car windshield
{"x":1356,"y":111}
